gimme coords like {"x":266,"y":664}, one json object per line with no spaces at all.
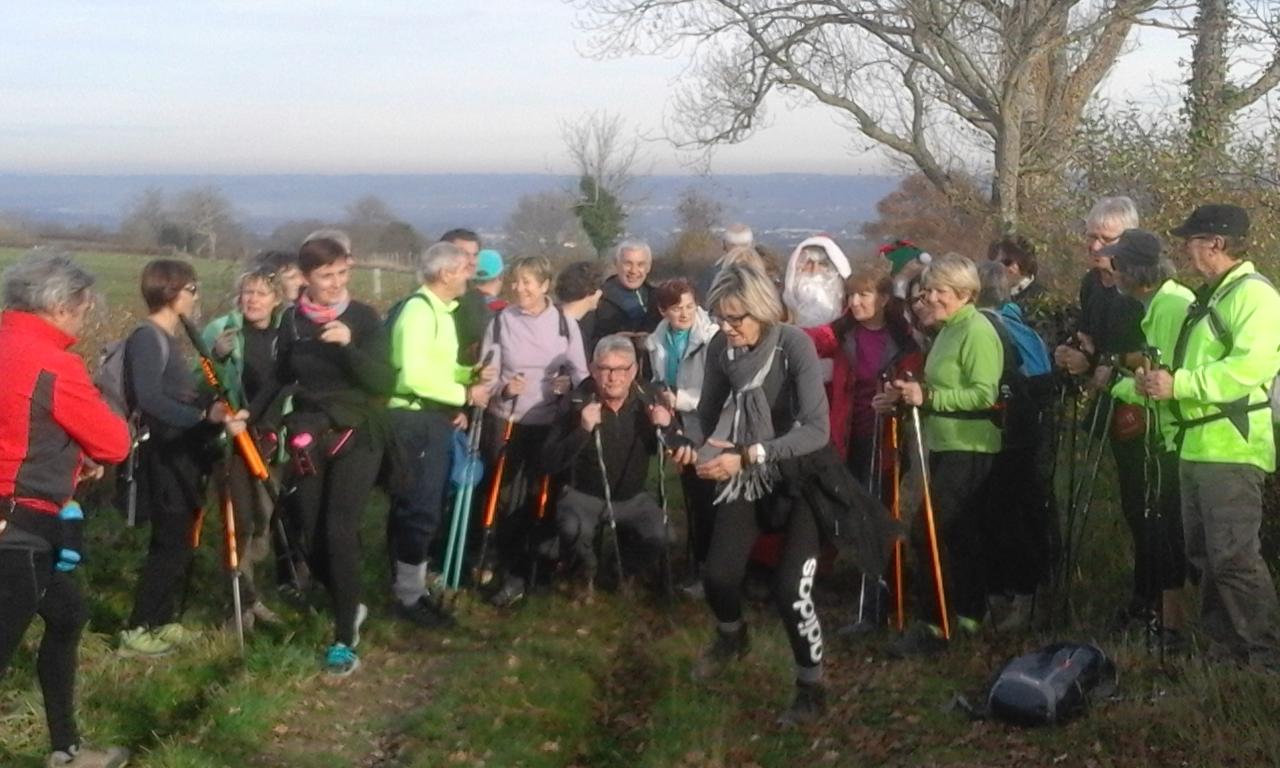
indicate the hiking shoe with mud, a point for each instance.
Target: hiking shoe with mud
{"x":81,"y":756}
{"x":726,"y":648}
{"x":340,"y":660}
{"x":512,"y":592}
{"x":807,"y":706}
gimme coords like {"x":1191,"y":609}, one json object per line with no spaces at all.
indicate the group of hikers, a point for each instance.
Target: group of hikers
{"x":902,"y":414}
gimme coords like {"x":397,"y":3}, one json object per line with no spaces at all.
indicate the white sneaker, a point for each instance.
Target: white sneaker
{"x":362,"y":613}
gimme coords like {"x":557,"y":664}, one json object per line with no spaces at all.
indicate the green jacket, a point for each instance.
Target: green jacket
{"x":424,"y":350}
{"x":962,"y":373}
{"x":1209,"y":377}
{"x":230,"y":368}
{"x":1160,"y":326}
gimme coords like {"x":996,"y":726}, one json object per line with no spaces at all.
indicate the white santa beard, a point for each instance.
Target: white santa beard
{"x":815,"y":299}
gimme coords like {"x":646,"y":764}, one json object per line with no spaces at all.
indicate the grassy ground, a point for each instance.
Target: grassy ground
{"x":563,"y":683}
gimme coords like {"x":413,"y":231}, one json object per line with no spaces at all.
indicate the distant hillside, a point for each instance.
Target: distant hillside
{"x":432,"y":203}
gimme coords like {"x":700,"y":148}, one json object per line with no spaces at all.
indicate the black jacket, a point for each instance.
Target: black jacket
{"x":848,"y":516}
{"x":627,"y":437}
{"x":611,"y":317}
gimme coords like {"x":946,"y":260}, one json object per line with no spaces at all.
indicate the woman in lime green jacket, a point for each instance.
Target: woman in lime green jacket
{"x":958,"y":398}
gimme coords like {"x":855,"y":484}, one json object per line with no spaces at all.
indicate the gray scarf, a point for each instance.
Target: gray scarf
{"x":746,"y":418}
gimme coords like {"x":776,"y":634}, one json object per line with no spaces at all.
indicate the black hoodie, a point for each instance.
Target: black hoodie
{"x":624,"y":311}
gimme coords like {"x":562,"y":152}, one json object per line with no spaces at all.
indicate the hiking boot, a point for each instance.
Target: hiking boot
{"x":727,"y":647}
{"x":143,"y":642}
{"x":264,"y":614}
{"x":82,"y":757}
{"x":176,"y":635}
{"x":921,"y":640}
{"x":807,"y":706}
{"x":511,"y":593}
{"x":340,"y":660}
{"x":426,"y":613}
{"x":1175,"y":641}
{"x":859,"y":629}
{"x":1018,"y":616}
{"x":362,"y":613}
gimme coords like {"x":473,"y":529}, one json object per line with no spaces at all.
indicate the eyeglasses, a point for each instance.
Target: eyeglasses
{"x":608,"y":371}
{"x":733,"y":321}
{"x":1094,"y":237}
{"x":917,"y":299}
{"x":192,"y":289}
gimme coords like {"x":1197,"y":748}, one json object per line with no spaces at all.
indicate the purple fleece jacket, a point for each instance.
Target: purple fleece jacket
{"x":533,"y":345}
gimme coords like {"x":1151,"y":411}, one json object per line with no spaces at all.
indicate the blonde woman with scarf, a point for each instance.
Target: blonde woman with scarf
{"x":762,"y":403}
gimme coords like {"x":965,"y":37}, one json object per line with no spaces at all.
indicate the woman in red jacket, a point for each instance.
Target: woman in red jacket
{"x":54,"y":426}
{"x":866,"y":344}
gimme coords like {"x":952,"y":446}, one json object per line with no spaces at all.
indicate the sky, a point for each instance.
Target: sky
{"x":376,"y":86}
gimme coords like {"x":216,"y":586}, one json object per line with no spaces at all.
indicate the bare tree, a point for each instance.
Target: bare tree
{"x":544,"y":224}
{"x":210,"y":219}
{"x":145,"y":218}
{"x":600,"y":148}
{"x":1235,"y":62}
{"x":996,"y":87}
{"x":697,"y":211}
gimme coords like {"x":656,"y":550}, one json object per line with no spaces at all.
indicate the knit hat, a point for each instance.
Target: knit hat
{"x":900,"y":253}
{"x":488,"y":265}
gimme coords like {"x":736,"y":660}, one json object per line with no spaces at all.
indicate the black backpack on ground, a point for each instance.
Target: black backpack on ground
{"x":1050,"y":685}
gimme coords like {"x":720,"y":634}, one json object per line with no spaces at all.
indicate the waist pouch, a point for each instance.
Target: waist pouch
{"x":27,"y":528}
{"x":1128,"y":422}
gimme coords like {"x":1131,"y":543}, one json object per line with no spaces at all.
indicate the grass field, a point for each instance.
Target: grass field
{"x":561,"y":683}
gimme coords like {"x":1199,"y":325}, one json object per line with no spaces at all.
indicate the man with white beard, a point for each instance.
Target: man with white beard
{"x":813,"y":290}
{"x":814,"y":287}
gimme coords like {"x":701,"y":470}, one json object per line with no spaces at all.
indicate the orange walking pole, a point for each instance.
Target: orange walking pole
{"x":233,"y":562}
{"x":491,"y":503}
{"x":931,"y":531}
{"x":895,"y":509}
{"x":544,"y":489}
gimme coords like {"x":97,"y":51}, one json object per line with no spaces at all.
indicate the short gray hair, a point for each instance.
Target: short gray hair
{"x":435,"y":260}
{"x":739,"y":236}
{"x":994,"y":279}
{"x":633,"y":245}
{"x":615,"y":343}
{"x":332,"y":235}
{"x":43,"y":281}
{"x":1118,"y":210}
{"x":752,"y":288}
{"x":1151,"y":276}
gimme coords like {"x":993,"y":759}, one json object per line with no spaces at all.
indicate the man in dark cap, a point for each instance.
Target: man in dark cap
{"x":1224,"y":363}
{"x":1160,"y":569}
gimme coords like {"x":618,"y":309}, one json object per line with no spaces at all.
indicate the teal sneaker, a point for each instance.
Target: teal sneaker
{"x":144,"y":642}
{"x":340,"y":660}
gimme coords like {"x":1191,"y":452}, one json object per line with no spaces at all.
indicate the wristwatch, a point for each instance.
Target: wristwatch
{"x":756,"y":454}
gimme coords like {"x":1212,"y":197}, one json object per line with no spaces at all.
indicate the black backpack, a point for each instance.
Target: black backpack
{"x":1050,"y":685}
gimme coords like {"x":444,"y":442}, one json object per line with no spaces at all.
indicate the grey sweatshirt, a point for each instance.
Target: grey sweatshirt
{"x":534,"y":346}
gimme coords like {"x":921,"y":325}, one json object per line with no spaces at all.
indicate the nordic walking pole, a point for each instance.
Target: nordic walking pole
{"x":244,"y":444}
{"x":491,"y":505}
{"x":895,"y":509}
{"x":931,"y":530}
{"x":455,"y":547}
{"x":668,"y":581}
{"x":608,"y":505}
{"x":233,"y":563}
{"x":873,"y":487}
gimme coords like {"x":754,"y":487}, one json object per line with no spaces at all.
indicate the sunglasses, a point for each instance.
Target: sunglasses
{"x":192,"y":289}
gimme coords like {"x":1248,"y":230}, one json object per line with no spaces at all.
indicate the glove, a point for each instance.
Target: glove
{"x":72,"y":537}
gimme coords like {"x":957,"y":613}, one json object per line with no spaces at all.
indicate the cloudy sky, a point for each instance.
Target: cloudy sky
{"x":378,"y":86}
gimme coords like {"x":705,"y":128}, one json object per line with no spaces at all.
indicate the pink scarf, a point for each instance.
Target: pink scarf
{"x":322,"y":314}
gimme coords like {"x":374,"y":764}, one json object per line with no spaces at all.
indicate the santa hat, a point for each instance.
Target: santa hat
{"x":837,"y":257}
{"x":900,"y":253}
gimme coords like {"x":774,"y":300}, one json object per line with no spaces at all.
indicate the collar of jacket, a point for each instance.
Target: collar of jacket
{"x":34,"y":325}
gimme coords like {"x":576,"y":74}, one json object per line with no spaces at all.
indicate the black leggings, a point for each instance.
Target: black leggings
{"x":329,"y":505}
{"x":173,"y":496}
{"x":736,"y":529}
{"x":957,"y":481}
{"x":521,"y":487}
{"x":28,"y":586}
{"x":700,"y":514}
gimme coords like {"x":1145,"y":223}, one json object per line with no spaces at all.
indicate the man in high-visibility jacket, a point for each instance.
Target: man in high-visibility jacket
{"x":1227,"y":355}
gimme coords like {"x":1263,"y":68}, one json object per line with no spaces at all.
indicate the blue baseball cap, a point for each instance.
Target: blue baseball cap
{"x":488,"y":265}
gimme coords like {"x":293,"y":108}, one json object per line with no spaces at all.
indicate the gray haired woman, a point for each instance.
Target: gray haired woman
{"x":762,"y":402}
